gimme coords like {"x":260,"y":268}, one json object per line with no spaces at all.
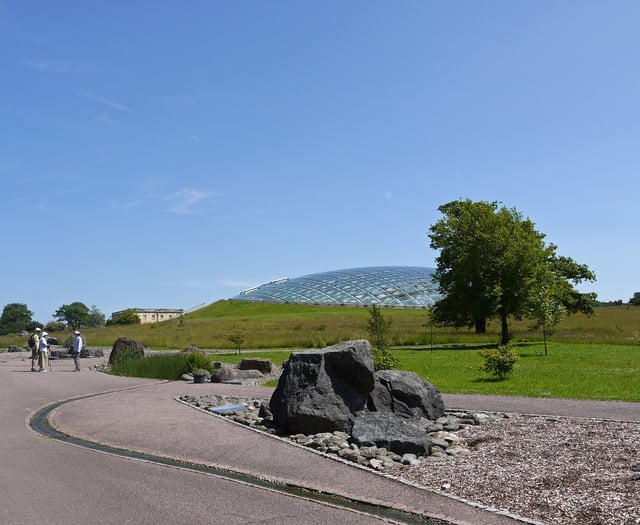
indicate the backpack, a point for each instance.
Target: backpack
{"x":33,"y":341}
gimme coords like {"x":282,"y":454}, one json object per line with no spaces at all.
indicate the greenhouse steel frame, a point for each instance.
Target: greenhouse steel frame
{"x":388,"y":286}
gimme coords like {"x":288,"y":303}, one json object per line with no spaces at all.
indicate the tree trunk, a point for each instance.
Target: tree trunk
{"x":505,"y":329}
{"x":481,"y":326}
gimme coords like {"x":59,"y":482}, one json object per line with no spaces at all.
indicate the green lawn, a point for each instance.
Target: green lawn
{"x":589,"y":357}
{"x":576,"y":371}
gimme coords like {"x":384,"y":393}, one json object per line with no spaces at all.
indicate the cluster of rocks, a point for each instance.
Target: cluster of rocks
{"x":248,"y":371}
{"x":62,"y":352}
{"x":84,"y":353}
{"x":336,"y":389}
{"x":333,"y":401}
{"x":254,"y":412}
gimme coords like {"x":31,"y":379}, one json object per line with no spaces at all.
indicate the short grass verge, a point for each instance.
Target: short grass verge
{"x":573,"y":371}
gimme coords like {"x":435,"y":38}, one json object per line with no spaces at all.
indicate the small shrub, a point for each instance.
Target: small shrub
{"x":197,"y":360}
{"x":379,"y":328}
{"x":499,"y":362}
{"x":384,"y":360}
{"x":237,"y":337}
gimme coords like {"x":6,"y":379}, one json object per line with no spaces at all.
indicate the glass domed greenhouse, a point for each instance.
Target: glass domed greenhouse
{"x":389,"y":286}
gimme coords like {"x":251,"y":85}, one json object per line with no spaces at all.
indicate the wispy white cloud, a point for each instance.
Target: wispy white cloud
{"x":110,"y":103}
{"x":195,"y":138}
{"x":187,"y":201}
{"x":387,"y":195}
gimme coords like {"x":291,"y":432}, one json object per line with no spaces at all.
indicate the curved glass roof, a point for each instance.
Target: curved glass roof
{"x":399,"y":286}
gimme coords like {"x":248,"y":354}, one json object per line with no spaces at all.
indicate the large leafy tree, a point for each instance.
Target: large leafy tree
{"x":15,"y":317}
{"x":75,"y":315}
{"x":494,"y":264}
{"x":95,"y":318}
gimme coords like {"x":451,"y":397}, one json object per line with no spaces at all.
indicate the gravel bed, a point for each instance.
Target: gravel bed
{"x":550,"y":469}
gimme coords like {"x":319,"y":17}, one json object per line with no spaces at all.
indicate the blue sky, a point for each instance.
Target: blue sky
{"x":168,"y":154}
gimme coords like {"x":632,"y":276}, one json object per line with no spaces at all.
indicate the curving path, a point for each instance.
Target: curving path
{"x":47,"y":481}
{"x":612,"y":410}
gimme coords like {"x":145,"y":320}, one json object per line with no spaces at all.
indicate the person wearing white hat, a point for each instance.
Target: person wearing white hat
{"x":34,"y":341}
{"x":77,"y":346}
{"x":43,"y":353}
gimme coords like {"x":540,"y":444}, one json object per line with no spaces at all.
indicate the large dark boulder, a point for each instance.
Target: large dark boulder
{"x":256,"y":363}
{"x":125,"y":349}
{"x":406,"y":395}
{"x":322,"y":390}
{"x":391,"y":432}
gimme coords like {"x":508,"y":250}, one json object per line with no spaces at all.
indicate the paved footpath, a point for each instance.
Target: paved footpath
{"x":613,"y":410}
{"x":47,"y":481}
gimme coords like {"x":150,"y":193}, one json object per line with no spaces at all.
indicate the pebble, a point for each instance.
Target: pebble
{"x":444,"y":441}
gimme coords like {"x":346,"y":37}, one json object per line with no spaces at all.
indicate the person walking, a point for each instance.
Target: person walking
{"x":43,"y":353}
{"x":77,"y":346}
{"x":34,"y":342}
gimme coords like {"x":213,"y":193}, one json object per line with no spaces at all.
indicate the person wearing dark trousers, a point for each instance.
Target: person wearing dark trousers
{"x":34,"y":342}
{"x":77,"y":346}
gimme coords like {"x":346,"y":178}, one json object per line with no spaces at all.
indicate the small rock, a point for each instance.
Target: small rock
{"x":375,"y":464}
{"x":440,"y":443}
{"x":409,"y":459}
{"x":457,"y":451}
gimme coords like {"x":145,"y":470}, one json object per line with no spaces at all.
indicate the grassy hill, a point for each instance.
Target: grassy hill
{"x":589,"y":358}
{"x":272,"y":326}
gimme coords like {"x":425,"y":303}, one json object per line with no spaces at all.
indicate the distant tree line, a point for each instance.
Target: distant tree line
{"x":634,"y":301}
{"x":16,"y":318}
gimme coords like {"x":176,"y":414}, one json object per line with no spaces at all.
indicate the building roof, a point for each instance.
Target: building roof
{"x":397,"y":286}
{"x":150,"y":311}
